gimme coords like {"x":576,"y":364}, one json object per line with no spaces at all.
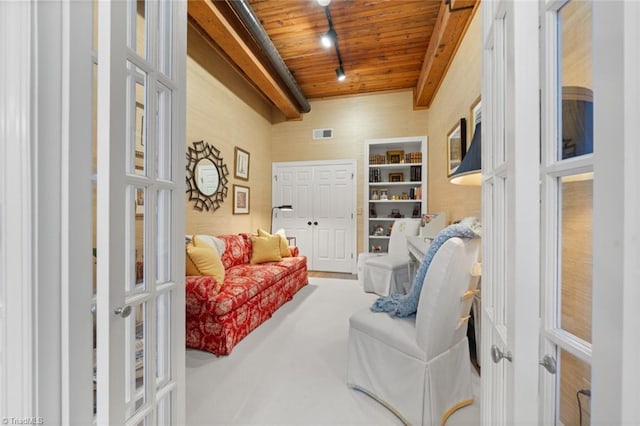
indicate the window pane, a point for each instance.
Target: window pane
{"x":135,"y":273}
{"x":136,"y":121}
{"x":575,"y":388}
{"x":163,"y":237}
{"x":136,"y":26}
{"x":135,"y":358}
{"x":165,"y":33}
{"x":163,"y":133}
{"x":163,"y":339}
{"x":575,"y":34}
{"x":576,"y":254}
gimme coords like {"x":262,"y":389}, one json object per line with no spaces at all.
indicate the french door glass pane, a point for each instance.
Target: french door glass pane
{"x":576,"y":80}
{"x":135,"y":359}
{"x":163,"y":339}
{"x":135,"y":275}
{"x":576,"y":264}
{"x":163,"y":133}
{"x":165,"y":39}
{"x":575,"y":391}
{"x":163,"y":236}
{"x":136,"y":122}
{"x":136,"y":26}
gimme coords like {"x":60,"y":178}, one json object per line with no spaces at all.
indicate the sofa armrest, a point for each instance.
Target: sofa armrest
{"x":294,"y":251}
{"x":200,"y":291}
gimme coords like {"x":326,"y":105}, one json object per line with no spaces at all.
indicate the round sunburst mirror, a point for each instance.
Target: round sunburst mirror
{"x":206,"y":176}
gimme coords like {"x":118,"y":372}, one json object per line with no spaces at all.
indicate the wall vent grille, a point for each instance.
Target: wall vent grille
{"x":322,"y":134}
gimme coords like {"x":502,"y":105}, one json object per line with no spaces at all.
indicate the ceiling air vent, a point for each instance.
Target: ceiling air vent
{"x":322,"y":134}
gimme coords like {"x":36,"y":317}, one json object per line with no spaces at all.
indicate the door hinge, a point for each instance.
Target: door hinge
{"x":351,"y":215}
{"x":352,"y":176}
{"x":351,"y":255}
{"x":275,"y":177}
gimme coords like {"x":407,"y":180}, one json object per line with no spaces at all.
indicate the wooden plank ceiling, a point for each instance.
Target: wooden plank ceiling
{"x":385,"y":45}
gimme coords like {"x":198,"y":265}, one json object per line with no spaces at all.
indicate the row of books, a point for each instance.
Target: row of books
{"x":409,"y":158}
{"x":415,"y":175}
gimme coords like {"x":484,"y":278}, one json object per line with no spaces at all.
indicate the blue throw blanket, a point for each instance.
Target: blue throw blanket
{"x":403,"y":305}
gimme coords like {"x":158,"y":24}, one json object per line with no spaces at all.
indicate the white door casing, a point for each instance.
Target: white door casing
{"x":140,"y":212}
{"x":324,"y":205}
{"x":510,"y":212}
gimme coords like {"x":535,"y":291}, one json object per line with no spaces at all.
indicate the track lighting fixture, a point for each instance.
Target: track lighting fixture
{"x":330,"y":38}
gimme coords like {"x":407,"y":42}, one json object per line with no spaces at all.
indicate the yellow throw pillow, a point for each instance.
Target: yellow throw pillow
{"x":265,"y":249}
{"x":202,"y":259}
{"x":284,"y":245}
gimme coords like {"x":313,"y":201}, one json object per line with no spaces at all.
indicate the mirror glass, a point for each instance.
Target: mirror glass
{"x":207,"y":177}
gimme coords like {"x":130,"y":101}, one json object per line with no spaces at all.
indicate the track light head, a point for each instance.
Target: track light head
{"x":340,"y":73}
{"x":328,"y":39}
{"x":324,"y":3}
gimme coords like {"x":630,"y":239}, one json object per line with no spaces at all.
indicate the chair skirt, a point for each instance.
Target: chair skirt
{"x":386,"y":275}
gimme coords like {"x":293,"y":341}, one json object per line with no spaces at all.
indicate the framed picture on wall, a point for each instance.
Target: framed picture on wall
{"x":241,"y":169}
{"x":475,"y":116}
{"x":456,"y":145}
{"x":240,"y":199}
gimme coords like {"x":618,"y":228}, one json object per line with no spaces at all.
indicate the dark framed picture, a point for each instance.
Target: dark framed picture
{"x":456,"y":145}
{"x":241,"y":163}
{"x":396,"y":177}
{"x":240,"y":199}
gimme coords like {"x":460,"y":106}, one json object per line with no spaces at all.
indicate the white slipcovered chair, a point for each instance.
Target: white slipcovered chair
{"x":419,"y":367}
{"x":389,"y":272}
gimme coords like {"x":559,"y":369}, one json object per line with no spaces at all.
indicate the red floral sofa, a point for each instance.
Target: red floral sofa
{"x":218,"y":319}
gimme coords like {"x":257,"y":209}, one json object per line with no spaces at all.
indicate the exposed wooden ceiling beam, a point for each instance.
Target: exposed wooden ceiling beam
{"x":447,"y":36}
{"x":212,"y":20}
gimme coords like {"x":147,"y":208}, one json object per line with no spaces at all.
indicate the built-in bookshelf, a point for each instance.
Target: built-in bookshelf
{"x":395,"y":186}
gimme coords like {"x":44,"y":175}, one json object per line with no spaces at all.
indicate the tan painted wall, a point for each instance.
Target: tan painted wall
{"x":225,"y":111}
{"x":460,"y":88}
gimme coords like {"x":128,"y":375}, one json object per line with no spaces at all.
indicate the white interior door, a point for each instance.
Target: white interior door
{"x":323,"y":219}
{"x":140,"y":212}
{"x":333,"y":218}
{"x":293,"y":185}
{"x":510,"y":213}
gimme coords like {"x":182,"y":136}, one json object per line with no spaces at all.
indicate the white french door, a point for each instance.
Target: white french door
{"x":567,"y":211}
{"x":510,"y":213}
{"x":323,"y":219}
{"x":140,"y":212}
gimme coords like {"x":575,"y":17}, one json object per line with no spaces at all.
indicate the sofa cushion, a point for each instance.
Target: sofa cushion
{"x":242,"y":283}
{"x":265,"y":249}
{"x":237,"y":250}
{"x":201,"y":259}
{"x":284,"y":245}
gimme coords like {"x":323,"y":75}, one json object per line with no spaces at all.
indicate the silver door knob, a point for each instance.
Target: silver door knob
{"x":549,"y":363}
{"x":123,"y":312}
{"x":497,"y":354}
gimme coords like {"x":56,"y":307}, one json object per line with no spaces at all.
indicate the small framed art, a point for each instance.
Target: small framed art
{"x":240,"y":199}
{"x":241,"y":169}
{"x":456,"y":145}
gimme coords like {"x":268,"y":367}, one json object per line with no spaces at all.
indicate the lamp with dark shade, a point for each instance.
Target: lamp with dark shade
{"x":469,"y":172}
{"x":282,"y":208}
